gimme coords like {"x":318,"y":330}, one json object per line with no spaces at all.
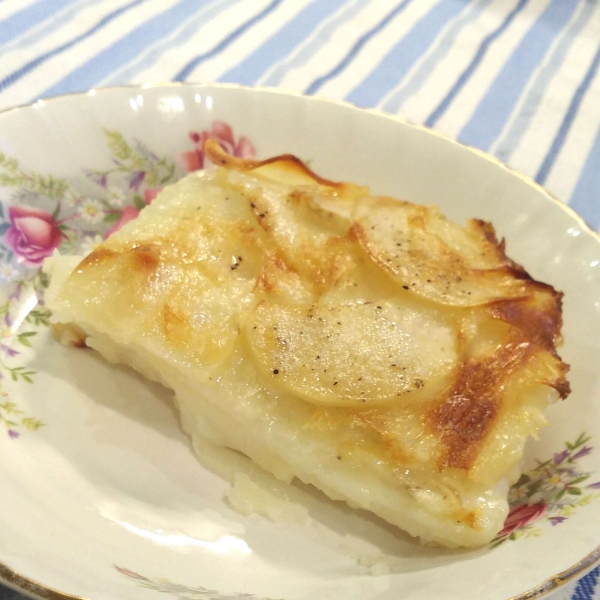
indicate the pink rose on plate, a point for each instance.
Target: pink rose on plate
{"x":222,"y":133}
{"x":519,"y":516}
{"x":33,"y":234}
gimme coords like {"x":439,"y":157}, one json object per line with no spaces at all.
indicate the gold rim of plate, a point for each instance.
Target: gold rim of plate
{"x":32,"y":588}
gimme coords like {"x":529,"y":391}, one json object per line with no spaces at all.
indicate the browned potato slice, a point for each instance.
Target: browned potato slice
{"x":435,"y":258}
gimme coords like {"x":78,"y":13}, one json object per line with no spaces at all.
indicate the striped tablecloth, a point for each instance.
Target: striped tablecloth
{"x":517,"y":78}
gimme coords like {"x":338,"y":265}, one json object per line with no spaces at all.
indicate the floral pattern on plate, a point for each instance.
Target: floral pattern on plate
{"x":48,"y":213}
{"x":183,"y":592}
{"x":549,"y":492}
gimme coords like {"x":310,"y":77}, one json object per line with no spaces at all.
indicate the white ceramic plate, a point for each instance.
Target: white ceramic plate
{"x":100,"y":494}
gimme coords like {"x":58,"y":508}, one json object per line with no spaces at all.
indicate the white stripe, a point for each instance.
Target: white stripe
{"x":36,"y":30}
{"x":60,"y":65}
{"x":154,"y":46}
{"x":537,"y":140}
{"x":569,"y":163}
{"x":498,"y":53}
{"x":343,"y":10}
{"x":83,"y":20}
{"x":247,"y":43}
{"x":419,"y":106}
{"x":7,"y":9}
{"x":212,"y":33}
{"x":206,"y":37}
{"x":337,"y":46}
{"x":546,"y":62}
{"x":375,"y":50}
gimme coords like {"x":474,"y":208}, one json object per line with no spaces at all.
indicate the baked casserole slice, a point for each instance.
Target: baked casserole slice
{"x":364,"y":345}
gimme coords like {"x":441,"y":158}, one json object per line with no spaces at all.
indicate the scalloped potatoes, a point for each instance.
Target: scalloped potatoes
{"x":364,"y":345}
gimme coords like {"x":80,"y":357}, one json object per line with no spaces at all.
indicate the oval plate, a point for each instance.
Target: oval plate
{"x":102,"y":497}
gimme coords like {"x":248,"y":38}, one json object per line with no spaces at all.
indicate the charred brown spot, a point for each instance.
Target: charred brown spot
{"x":470,"y":520}
{"x":69,"y":334}
{"x":489,"y":233}
{"x":463,"y":422}
{"x":173,"y":322}
{"x":297,"y":196}
{"x":271,"y":273}
{"x":145,"y":257}
{"x":562,"y":386}
{"x":539,"y":317}
{"x":465,"y":416}
{"x":356,"y":232}
{"x":96,"y":257}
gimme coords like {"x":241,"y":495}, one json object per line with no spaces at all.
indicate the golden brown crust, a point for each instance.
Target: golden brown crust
{"x":463,"y":418}
{"x":389,"y":250}
{"x":286,"y":162}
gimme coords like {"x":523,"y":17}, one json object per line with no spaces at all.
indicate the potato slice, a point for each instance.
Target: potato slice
{"x":354,"y":354}
{"x":434,"y":258}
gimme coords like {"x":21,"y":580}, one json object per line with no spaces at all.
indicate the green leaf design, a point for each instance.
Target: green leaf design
{"x":579,"y":479}
{"x":152,"y":177}
{"x":112,"y":217}
{"x":44,"y":279}
{"x":39,"y":316}
{"x":10,"y":408}
{"x":560,"y":494}
{"x":52,"y":187}
{"x":31,"y":423}
{"x":170,"y":172}
{"x":574,"y":491}
{"x":117,"y":144}
{"x":23,"y":338}
{"x":139,"y":202}
{"x":20,"y":372}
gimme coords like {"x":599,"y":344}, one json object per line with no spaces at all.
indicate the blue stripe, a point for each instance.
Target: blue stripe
{"x":586,"y":586}
{"x":398,"y":61}
{"x":427,"y":67}
{"x":192,"y":64}
{"x":282,"y":43}
{"x":156,"y":51}
{"x":585,"y":198}
{"x":509,"y":142}
{"x":318,"y":40}
{"x":125,"y":49}
{"x":50,"y":25}
{"x":30,"y":66}
{"x":486,"y":123}
{"x":570,"y":115}
{"x":320,"y":81}
{"x":464,"y":77}
{"x":27,"y":18}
